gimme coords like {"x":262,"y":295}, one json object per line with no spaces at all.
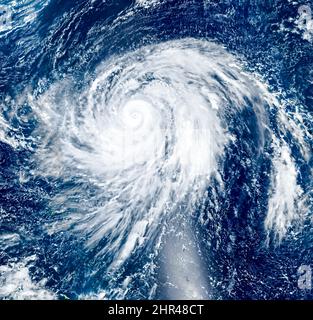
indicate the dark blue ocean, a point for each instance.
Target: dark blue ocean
{"x":156,"y":149}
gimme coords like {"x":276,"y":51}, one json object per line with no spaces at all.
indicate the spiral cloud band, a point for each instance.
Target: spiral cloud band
{"x":148,"y":132}
{"x":144,"y":138}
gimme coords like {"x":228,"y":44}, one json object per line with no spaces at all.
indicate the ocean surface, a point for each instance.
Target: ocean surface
{"x":156,"y":149}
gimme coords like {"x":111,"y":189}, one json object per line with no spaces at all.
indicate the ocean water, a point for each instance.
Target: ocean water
{"x":156,"y":149}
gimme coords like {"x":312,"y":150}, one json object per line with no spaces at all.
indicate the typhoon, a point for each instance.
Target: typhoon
{"x":155,"y":150}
